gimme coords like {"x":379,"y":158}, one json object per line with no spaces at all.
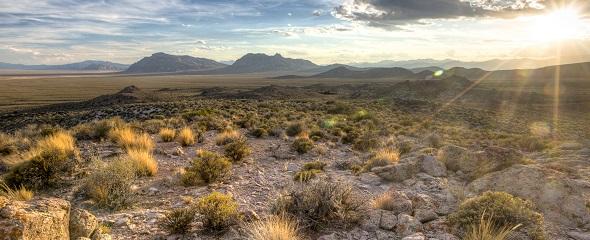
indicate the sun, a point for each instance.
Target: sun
{"x":561,"y":24}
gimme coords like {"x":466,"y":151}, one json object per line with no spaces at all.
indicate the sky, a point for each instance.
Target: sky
{"x":323,"y":31}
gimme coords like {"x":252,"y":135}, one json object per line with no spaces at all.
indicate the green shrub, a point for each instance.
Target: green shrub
{"x":321,"y":204}
{"x":295,"y":129}
{"x":207,"y":167}
{"x":110,"y":186}
{"x":238,"y":150}
{"x":503,"y":209}
{"x":178,"y":221}
{"x":302,"y":145}
{"x":218,"y":211}
{"x":366,"y":142}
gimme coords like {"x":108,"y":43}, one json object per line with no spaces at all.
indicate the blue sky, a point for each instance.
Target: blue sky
{"x":324,"y":31}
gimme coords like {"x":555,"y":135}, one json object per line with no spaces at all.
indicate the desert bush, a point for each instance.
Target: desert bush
{"x":366,"y":142}
{"x":295,"y":129}
{"x":186,"y":137}
{"x":317,"y":165}
{"x":362,"y":115}
{"x":531,"y":143}
{"x":384,"y":201}
{"x":110,"y":186}
{"x":218,"y":211}
{"x":302,"y":145}
{"x":142,"y":162}
{"x":98,"y":129}
{"x":127,"y":139}
{"x":306,"y":175}
{"x":405,"y":147}
{"x":237,"y":150}
{"x":383,"y":157}
{"x":340,"y":108}
{"x":317,"y":135}
{"x":206,"y":168}
{"x":167,"y":134}
{"x":178,"y":221}
{"x":486,"y":229}
{"x":19,"y":194}
{"x":47,"y":162}
{"x":152,"y":125}
{"x":228,"y":136}
{"x":319,"y":204}
{"x":7,"y":145}
{"x":259,"y":132}
{"x":503,"y":209}
{"x":273,"y":228}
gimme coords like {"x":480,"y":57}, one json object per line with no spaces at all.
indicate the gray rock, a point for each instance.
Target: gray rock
{"x":579,"y":235}
{"x":407,"y":225}
{"x":398,"y":172}
{"x":371,"y":223}
{"x":415,"y":236}
{"x":433,"y":167}
{"x":388,"y":220}
{"x":425,"y":215}
{"x":82,"y":223}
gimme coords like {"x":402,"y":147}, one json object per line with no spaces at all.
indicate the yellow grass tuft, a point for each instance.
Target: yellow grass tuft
{"x":227,"y":136}
{"x":167,"y":134}
{"x":57,"y":147}
{"x":186,"y":137}
{"x":21,"y":194}
{"x":143,"y":162}
{"x":273,"y":228}
{"x":384,"y":201}
{"x":486,"y":229}
{"x":383,"y":157}
{"x":126,"y":138}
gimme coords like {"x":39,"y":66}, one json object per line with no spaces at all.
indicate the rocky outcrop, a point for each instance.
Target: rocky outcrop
{"x":82,"y":224}
{"x":479,"y":163}
{"x":408,"y":168}
{"x":561,"y":199}
{"x":45,"y":218}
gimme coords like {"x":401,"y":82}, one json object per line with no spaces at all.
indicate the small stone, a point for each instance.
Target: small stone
{"x":425,"y":215}
{"x":415,"y":236}
{"x":123,"y":221}
{"x":388,"y":220}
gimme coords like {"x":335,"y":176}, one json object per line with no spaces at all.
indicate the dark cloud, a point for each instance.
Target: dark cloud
{"x":393,"y":13}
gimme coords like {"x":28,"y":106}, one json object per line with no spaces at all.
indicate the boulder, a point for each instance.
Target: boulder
{"x":388,"y":220}
{"x":433,"y":167}
{"x":477,"y":164}
{"x":43,"y":218}
{"x":561,"y":199}
{"x":405,"y":169}
{"x":407,"y":225}
{"x":82,"y":223}
{"x":400,"y":203}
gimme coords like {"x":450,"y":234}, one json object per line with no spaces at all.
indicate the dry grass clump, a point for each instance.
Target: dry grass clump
{"x":7,"y":144}
{"x":178,"y":221}
{"x":186,"y":137}
{"x":207,"y":167}
{"x":505,"y":211}
{"x":309,"y":171}
{"x":167,"y":134}
{"x":218,"y":211}
{"x":487,"y":229}
{"x":384,"y":201}
{"x":228,"y":136}
{"x":320,"y":203}
{"x":47,"y":162}
{"x":302,"y":145}
{"x":143,"y":162}
{"x":126,"y":138}
{"x":237,"y":150}
{"x":273,"y":228}
{"x":110,"y":185}
{"x":20,"y":194}
{"x":295,"y":129}
{"x":98,"y":129}
{"x":383,"y":157}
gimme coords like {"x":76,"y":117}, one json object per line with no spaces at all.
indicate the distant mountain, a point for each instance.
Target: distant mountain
{"x":421,"y":69}
{"x":90,"y":65}
{"x":345,"y":72}
{"x":258,"y":63}
{"x":566,"y":71}
{"x":490,"y":65}
{"x":162,"y":62}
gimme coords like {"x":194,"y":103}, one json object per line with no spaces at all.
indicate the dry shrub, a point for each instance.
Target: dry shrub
{"x":186,"y":137}
{"x":302,"y":145}
{"x":178,"y":221}
{"x":487,"y":229}
{"x":306,"y":175}
{"x":384,"y":201}
{"x":57,"y":147}
{"x":320,"y":204}
{"x":238,"y":150}
{"x":295,"y":129}
{"x":20,"y":194}
{"x":207,"y":167}
{"x":383,"y":157}
{"x":98,"y":129}
{"x":110,"y":186}
{"x":143,"y":162}
{"x":218,"y":211}
{"x":228,"y":136}
{"x":126,"y":138}
{"x":167,"y":134}
{"x":273,"y":228}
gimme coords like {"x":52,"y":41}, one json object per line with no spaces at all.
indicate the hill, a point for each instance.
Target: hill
{"x":162,"y":62}
{"x":258,"y":63}
{"x":90,"y":65}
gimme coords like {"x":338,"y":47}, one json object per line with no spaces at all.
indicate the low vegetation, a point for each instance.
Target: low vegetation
{"x":186,"y":137}
{"x":127,"y":139}
{"x":273,"y":228}
{"x":237,"y":150}
{"x":383,"y":157}
{"x":167,"y":134}
{"x":142,"y":162}
{"x":110,"y":185}
{"x":207,"y":167}
{"x":228,"y":136}
{"x":302,"y":145}
{"x":503,"y":209}
{"x":178,"y":221}
{"x":487,"y":229}
{"x":218,"y":211}
{"x":18,"y":194}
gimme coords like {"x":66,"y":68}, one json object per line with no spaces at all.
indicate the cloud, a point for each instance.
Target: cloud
{"x":390,"y":14}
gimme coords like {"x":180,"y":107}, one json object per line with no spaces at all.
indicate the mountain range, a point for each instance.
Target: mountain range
{"x":490,"y":65}
{"x":90,"y":65}
{"x":162,"y":62}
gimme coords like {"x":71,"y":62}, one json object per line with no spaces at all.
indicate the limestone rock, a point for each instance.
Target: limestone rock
{"x":82,"y":223}
{"x":433,"y":167}
{"x":44,"y":218}
{"x":407,"y":225}
{"x":405,"y":169}
{"x":425,"y":215}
